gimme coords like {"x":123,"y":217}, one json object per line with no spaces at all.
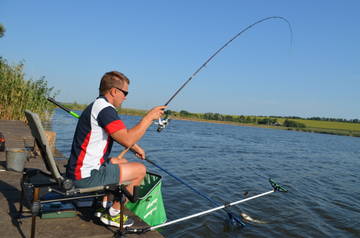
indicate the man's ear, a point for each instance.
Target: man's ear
{"x":112,"y":92}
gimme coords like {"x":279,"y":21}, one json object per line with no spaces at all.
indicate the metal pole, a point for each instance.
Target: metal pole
{"x":210,"y":210}
{"x":33,"y":218}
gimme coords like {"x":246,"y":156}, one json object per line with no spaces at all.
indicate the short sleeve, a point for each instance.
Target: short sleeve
{"x":109,"y":120}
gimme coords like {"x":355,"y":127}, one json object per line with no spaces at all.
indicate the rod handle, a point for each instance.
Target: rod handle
{"x":63,"y":107}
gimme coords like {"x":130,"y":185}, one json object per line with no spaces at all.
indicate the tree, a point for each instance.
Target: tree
{"x":2,"y":30}
{"x":290,"y":123}
{"x":267,"y":121}
{"x":184,"y":113}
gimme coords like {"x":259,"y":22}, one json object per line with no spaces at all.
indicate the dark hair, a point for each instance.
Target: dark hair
{"x":112,"y":79}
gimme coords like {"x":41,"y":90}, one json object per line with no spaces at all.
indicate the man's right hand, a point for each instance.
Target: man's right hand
{"x":155,"y":113}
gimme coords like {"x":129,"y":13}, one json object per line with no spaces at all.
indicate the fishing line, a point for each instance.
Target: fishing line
{"x":232,"y":216}
{"x":163,"y":122}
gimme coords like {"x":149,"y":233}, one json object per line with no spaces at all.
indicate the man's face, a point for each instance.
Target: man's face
{"x":120,"y":94}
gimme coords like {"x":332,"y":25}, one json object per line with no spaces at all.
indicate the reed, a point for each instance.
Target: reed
{"x":18,"y":94}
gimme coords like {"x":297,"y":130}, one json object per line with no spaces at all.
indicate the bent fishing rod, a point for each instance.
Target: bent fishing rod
{"x":276,"y":188}
{"x":232,"y":216}
{"x":163,"y":122}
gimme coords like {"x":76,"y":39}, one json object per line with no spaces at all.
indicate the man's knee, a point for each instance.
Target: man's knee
{"x":142,"y":170}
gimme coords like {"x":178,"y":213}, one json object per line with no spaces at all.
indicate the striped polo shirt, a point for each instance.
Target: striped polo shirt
{"x":92,"y":141}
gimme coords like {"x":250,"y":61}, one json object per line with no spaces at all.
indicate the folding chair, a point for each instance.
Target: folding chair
{"x":39,"y":181}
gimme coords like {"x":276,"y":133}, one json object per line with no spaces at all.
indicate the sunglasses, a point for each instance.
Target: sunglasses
{"x":123,"y":91}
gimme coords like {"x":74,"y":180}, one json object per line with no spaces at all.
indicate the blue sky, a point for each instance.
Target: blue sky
{"x":159,"y":44}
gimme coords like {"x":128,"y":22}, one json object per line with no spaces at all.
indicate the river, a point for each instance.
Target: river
{"x":321,"y":172}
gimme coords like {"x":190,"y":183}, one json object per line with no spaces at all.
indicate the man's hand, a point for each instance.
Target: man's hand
{"x":138,"y":151}
{"x":155,"y":113}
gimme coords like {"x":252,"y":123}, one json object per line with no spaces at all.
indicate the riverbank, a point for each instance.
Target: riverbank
{"x":332,"y":127}
{"x":324,"y":128}
{"x":313,"y":126}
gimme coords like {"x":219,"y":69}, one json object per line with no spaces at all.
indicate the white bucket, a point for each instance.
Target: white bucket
{"x":15,"y":159}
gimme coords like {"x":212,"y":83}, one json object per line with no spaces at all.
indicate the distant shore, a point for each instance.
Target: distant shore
{"x":333,"y":131}
{"x":331,"y":126}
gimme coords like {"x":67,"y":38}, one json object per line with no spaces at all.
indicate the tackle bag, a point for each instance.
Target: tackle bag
{"x":150,"y":206}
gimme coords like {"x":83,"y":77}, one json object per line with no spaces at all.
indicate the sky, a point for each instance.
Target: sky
{"x":160,"y":44}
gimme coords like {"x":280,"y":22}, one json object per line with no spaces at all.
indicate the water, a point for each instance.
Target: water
{"x":320,"y":171}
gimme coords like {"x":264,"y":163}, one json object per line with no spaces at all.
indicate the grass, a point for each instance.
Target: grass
{"x":329,"y":127}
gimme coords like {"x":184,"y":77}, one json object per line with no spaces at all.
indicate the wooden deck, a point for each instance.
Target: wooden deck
{"x":17,"y":135}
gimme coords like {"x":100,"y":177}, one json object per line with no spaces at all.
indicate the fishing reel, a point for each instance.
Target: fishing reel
{"x":163,"y":122}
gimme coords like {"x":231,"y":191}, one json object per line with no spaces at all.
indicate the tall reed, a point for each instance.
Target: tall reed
{"x":18,"y":94}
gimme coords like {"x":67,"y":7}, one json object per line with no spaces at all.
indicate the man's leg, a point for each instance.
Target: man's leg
{"x":114,"y":161}
{"x":132,"y":172}
{"x":106,"y":201}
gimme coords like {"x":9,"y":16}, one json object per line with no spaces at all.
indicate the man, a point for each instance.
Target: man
{"x":99,"y":125}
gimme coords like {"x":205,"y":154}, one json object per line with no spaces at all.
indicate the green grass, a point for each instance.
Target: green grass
{"x":328,"y":127}
{"x":75,"y":106}
{"x":133,"y":112}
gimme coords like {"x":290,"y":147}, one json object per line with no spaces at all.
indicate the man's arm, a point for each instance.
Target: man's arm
{"x":128,"y":137}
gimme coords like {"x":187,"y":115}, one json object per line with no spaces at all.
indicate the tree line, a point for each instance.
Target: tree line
{"x":322,"y":119}
{"x":252,"y":119}
{"x":270,"y":121}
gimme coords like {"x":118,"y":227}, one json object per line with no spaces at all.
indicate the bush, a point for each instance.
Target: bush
{"x":18,"y":94}
{"x":290,"y":123}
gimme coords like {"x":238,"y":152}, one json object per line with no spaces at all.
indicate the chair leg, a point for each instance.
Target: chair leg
{"x":122,"y":215}
{"x":21,"y":196}
{"x":35,"y":211}
{"x":21,"y":201}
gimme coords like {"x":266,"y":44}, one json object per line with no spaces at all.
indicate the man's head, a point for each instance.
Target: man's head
{"x":112,"y":79}
{"x":114,"y":86}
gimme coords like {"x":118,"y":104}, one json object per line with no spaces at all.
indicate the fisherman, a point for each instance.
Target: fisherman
{"x":99,"y":125}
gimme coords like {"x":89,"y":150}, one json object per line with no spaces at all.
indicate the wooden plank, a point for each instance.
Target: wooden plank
{"x":16,"y":133}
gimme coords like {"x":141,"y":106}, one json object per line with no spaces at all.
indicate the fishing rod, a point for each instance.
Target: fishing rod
{"x":163,"y":122}
{"x":232,"y":216}
{"x":74,"y":114}
{"x":276,"y":188}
